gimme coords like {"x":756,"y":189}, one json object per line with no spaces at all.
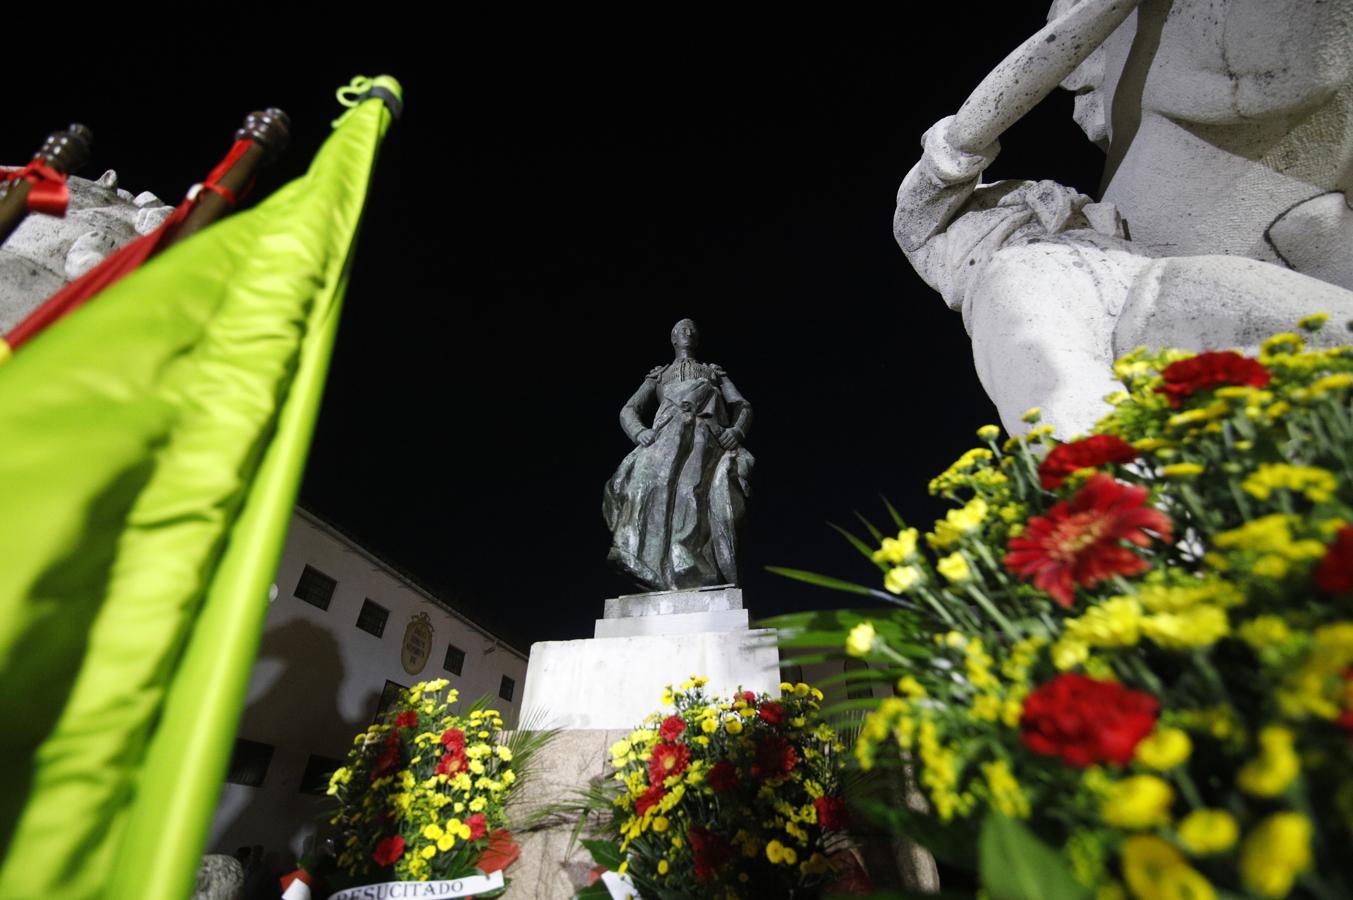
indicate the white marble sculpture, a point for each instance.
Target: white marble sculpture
{"x":45,"y":252}
{"x":1225,"y":211}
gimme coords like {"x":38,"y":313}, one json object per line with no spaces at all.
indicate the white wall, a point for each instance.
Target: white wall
{"x":318,"y":679}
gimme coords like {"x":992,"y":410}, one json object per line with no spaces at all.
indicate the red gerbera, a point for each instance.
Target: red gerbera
{"x":1208,"y":370}
{"x":723,"y":776}
{"x":1078,"y":542}
{"x":1335,"y":572}
{"x":389,"y":756}
{"x":453,"y":739}
{"x":407,"y":719}
{"x":710,"y":851}
{"x":671,"y":728}
{"x":648,"y":798}
{"x":452,"y":763}
{"x":774,"y":756}
{"x":1086,"y":721}
{"x":478,"y":825}
{"x":388,"y":850}
{"x":1090,"y":453}
{"x":831,"y":813}
{"x":667,"y":760}
{"x":771,"y":712}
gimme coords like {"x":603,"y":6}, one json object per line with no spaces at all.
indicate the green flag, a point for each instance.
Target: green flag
{"x":151,"y":447}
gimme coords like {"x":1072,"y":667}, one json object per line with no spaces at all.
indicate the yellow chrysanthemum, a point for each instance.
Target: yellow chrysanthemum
{"x":1262,"y":632}
{"x":1182,"y":470}
{"x":955,"y":568}
{"x":1200,"y":626}
{"x":1316,"y":484}
{"x":899,"y":549}
{"x":1114,"y":623}
{"x":1269,"y":773}
{"x":901,"y":579}
{"x":1207,"y":831}
{"x":860,"y":641}
{"x":1137,"y":802}
{"x":1164,"y":748}
{"x":1275,"y":852}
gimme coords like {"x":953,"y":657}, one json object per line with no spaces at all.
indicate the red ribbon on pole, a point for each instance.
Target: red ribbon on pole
{"x":48,"y":193}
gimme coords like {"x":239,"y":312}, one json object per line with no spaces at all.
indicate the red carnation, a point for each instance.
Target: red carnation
{"x":1208,"y":370}
{"x":1085,"y":721}
{"x":748,"y":696}
{"x":453,"y":739}
{"x":771,"y":712}
{"x":478,"y":825}
{"x":671,"y":728}
{"x":452,"y":763}
{"x":667,"y":760}
{"x":831,"y":813}
{"x":1078,"y":542}
{"x":389,"y":756}
{"x":388,"y":850}
{"x":774,"y":756}
{"x":1335,"y":572}
{"x":407,"y":719}
{"x":649,"y":798}
{"x":1090,"y":453}
{"x":723,"y":776}
{"x":710,"y":851}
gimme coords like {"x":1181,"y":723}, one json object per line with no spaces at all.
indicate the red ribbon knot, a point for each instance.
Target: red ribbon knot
{"x":48,"y":193}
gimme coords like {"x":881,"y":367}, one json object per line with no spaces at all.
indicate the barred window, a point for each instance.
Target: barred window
{"x":249,"y":762}
{"x":455,"y":660}
{"x":372,"y":618}
{"x":315,"y":588}
{"x":506,"y":688}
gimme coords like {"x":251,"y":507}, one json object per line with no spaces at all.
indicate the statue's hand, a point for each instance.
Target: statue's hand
{"x":729,"y":438}
{"x":646,"y":437}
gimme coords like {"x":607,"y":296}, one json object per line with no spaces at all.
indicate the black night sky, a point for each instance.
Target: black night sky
{"x":556,"y":196}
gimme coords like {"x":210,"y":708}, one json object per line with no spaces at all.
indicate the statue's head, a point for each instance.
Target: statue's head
{"x":685,"y":336}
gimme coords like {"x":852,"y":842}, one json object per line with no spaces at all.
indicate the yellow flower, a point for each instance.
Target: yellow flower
{"x":1335,"y":382}
{"x":958,"y":522}
{"x":667,"y":698}
{"x":663,"y":867}
{"x":815,"y":865}
{"x":1068,"y":653}
{"x":1033,"y":415}
{"x":860,"y":641}
{"x":709,"y":726}
{"x":775,"y":852}
{"x":1006,"y":794}
{"x":429,"y":851}
{"x":955,"y":568}
{"x":1269,"y":773}
{"x":1148,"y":444}
{"x":1181,"y":470}
{"x":1200,"y":626}
{"x":1114,"y":623}
{"x":901,"y":579}
{"x":660,"y":824}
{"x":988,"y":432}
{"x":911,"y":687}
{"x":1154,"y":870}
{"x":1313,"y":322}
{"x":1164,"y":748}
{"x":504,"y":752}
{"x":1137,"y":802}
{"x":1316,"y":484}
{"x":802,"y":690}
{"x":1206,"y":831}
{"x":733,"y":725}
{"x":1275,"y":852}
{"x":899,"y":549}
{"x":1264,"y":631}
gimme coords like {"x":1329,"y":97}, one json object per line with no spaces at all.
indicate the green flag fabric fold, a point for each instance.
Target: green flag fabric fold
{"x":153,"y":444}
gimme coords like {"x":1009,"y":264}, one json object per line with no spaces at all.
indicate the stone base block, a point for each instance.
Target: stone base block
{"x":676,"y":623}
{"x":615,"y":682}
{"x":664,"y":603}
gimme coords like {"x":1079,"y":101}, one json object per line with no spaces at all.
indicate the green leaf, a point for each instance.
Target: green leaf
{"x":822,"y":580}
{"x":605,"y":853}
{"x":892,"y":511}
{"x":865,"y":550}
{"x":1016,"y":865}
{"x":873,"y":531}
{"x":596,"y":891}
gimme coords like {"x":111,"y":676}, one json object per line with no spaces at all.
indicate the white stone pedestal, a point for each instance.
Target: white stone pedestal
{"x":642,"y":644}
{"x":597,"y":690}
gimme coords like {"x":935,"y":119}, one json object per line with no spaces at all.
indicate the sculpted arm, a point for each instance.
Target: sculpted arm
{"x":736,"y":433}
{"x":632,"y":413}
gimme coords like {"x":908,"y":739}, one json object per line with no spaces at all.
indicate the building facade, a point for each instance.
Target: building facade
{"x":345,"y":631}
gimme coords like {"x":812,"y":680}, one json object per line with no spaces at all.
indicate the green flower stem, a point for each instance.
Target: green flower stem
{"x":1194,"y":503}
{"x":1188,"y":788}
{"x":999,"y":571}
{"x":1138,"y":668}
{"x":1010,"y":630}
{"x":936,"y":605}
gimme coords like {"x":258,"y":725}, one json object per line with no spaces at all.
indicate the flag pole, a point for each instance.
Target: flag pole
{"x":62,"y":153}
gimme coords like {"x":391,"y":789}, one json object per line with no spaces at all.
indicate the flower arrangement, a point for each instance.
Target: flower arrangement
{"x":1136,"y":647}
{"x":423,"y":792}
{"x":717,"y":798}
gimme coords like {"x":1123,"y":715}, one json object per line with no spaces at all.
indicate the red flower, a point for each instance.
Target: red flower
{"x":407,"y":719}
{"x":648,"y":798}
{"x":1090,"y":453}
{"x":748,"y":696}
{"x":831,"y":813}
{"x":667,"y":760}
{"x":1078,"y":542}
{"x":771,"y":712}
{"x":671,"y":729}
{"x":478,"y":825}
{"x":389,"y":757}
{"x":452,"y":763}
{"x":1335,"y":572}
{"x":453,"y":739}
{"x":710,"y":851}
{"x":388,"y":850}
{"x":774,"y":756}
{"x":1085,"y":721}
{"x":1208,"y":370}
{"x":723,"y":776}
{"x":501,"y":853}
